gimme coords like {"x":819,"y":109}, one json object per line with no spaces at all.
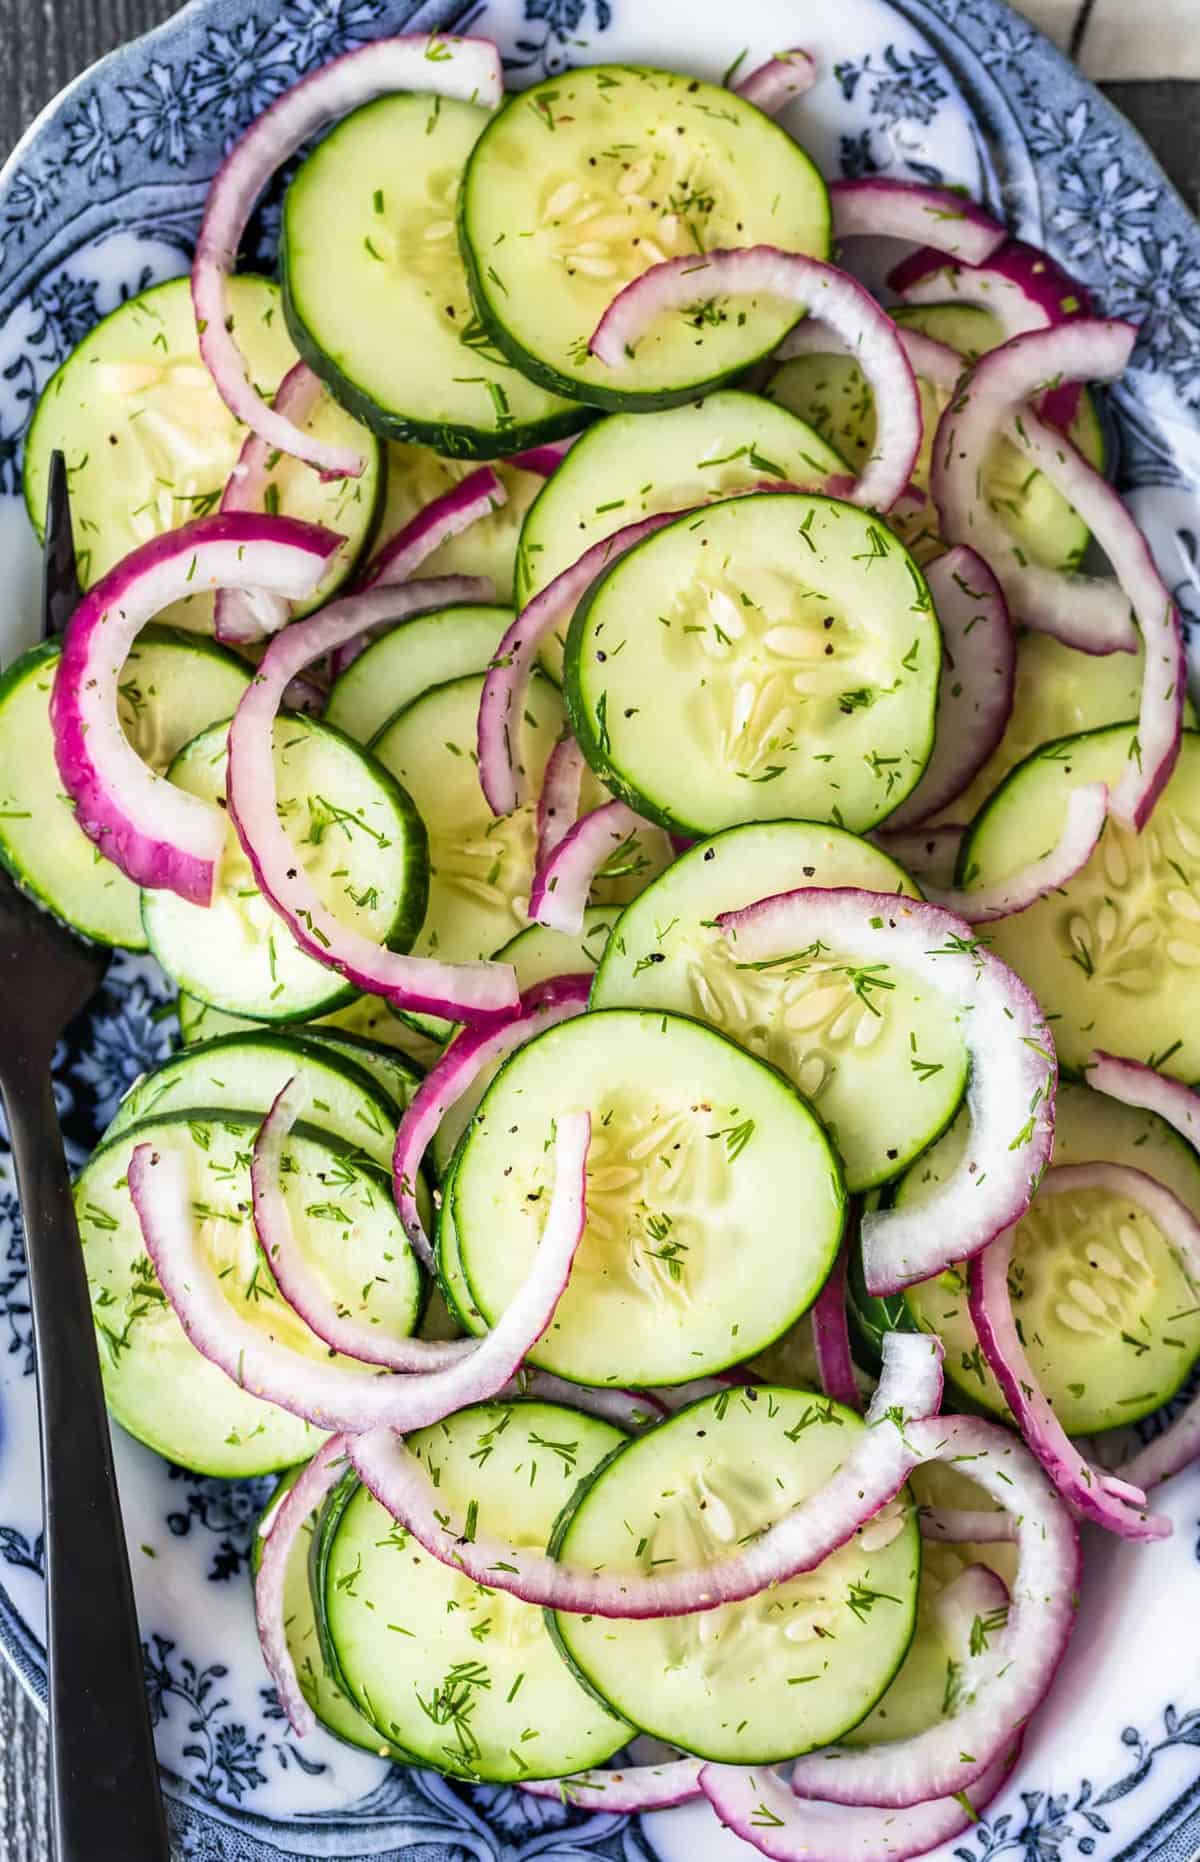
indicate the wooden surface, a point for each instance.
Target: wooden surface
{"x":45,"y":42}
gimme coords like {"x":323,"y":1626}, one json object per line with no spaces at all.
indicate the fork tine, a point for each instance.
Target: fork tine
{"x":61,"y":593}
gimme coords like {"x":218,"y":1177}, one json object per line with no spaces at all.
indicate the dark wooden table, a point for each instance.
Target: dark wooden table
{"x":44,"y":46}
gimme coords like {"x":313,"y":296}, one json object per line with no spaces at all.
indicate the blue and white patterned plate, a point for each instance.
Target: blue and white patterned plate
{"x":103,"y":196}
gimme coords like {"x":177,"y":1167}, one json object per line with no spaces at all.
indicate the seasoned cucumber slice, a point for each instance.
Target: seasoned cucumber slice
{"x":172,"y":686}
{"x":416,"y":476}
{"x":465,"y":1678}
{"x":1114,"y":955}
{"x":358,"y":837}
{"x":149,"y":442}
{"x":538,"y":953}
{"x":245,"y":1072}
{"x":785,"y":1672}
{"x":398,"y":1077}
{"x":792,"y":655}
{"x":408,"y":659}
{"x":481,"y":866}
{"x":157,"y":1384}
{"x":1106,"y":1311}
{"x":630,"y":465}
{"x":367,"y":1018}
{"x":369,"y":249}
{"x":700,"y":1159}
{"x":884,"y":1068}
{"x":581,"y":183}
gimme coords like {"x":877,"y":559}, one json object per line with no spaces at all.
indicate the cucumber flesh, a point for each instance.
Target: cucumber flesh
{"x":538,"y":952}
{"x":787,"y":1671}
{"x":367,"y":1018}
{"x":399,"y":1078}
{"x":408,"y":659}
{"x":465,"y":1678}
{"x":172,"y":686}
{"x":700,"y":1157}
{"x":149,"y":443}
{"x":416,"y":476}
{"x":361,"y":842}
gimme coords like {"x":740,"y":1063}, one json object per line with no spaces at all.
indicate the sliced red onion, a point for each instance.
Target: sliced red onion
{"x":558,"y":803}
{"x":627,"y":1792}
{"x":1097,"y":1496}
{"x":1135,"y":1084}
{"x":758,"y":1806}
{"x":955,"y":1525}
{"x":808,"y":284}
{"x":467,"y":69}
{"x":1168,"y":1454}
{"x":930,"y":854}
{"x":330,"y":1394}
{"x":931,"y":361}
{"x":241,"y":616}
{"x":476,"y":496}
{"x":319,"y":1478}
{"x":879,"y":207}
{"x":831,"y":1339}
{"x":452,"y":1075}
{"x":460,"y":992}
{"x":1088,"y":612}
{"x":784,"y":76}
{"x":872,"y":1475}
{"x":158,"y":834}
{"x":956,"y":1753}
{"x":559,"y":894}
{"x":307,"y":695}
{"x":1087,"y":811}
{"x":544,"y":460}
{"x":300,"y":1282}
{"x":1011,"y":1050}
{"x":975,"y":699}
{"x":627,"y":1409}
{"x":500,"y":773}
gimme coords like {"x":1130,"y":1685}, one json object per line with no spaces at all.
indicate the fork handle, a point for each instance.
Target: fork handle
{"x":104,"y":1786}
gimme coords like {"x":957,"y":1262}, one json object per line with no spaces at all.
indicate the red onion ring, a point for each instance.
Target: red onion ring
{"x":1118,"y":1506}
{"x":774,"y":84}
{"x":978,"y":676}
{"x":930,"y":854}
{"x":319,"y":1478}
{"x":468,"y":69}
{"x":628,"y":1409}
{"x":1013,"y":1066}
{"x":544,"y":460}
{"x":821,"y":290}
{"x":831,"y":1339}
{"x":934,"y":217}
{"x":239,"y":617}
{"x":156,"y":833}
{"x":872,"y":1475}
{"x":558,"y":803}
{"x":955,"y":1525}
{"x":460,"y":992}
{"x":332,"y":1395}
{"x":1135,"y":1084}
{"x":559,"y":894}
{"x":452,"y":1075}
{"x":1088,"y":612}
{"x":624,"y":1793}
{"x":476,"y":496}
{"x":1087,"y":811}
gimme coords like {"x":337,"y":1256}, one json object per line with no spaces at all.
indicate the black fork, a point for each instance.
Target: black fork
{"x":105,"y":1793}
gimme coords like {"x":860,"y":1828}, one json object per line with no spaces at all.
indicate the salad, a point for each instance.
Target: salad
{"x":663,"y":780}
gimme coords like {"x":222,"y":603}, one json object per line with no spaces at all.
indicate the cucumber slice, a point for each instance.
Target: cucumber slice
{"x":157,"y":1384}
{"x":785,"y":1672}
{"x":149,"y":443}
{"x":416,"y":476}
{"x":700,"y":1157}
{"x":398,"y":1077}
{"x":584,"y":181}
{"x":940,"y":1657}
{"x":465,"y":1678}
{"x":538,"y":953}
{"x":792,"y":653}
{"x":199,"y":1021}
{"x":481,"y":866}
{"x":367,"y":1018}
{"x":172,"y":686}
{"x":409,"y":658}
{"x":885,"y":1071}
{"x":1114,"y":955}
{"x":1105,"y":1308}
{"x":245,"y":1072}
{"x":358,"y":837}
{"x":368,"y":249}
{"x":630,"y":465}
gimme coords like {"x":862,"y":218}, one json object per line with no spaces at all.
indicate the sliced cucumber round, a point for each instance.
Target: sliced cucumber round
{"x":630,"y":465}
{"x":538,"y":952}
{"x":172,"y":686}
{"x":157,"y":1384}
{"x":1114,"y":955}
{"x":465,"y":1678}
{"x":358,"y":837}
{"x":787,"y":1671}
{"x":245,"y":1072}
{"x":368,"y":249}
{"x":1105,"y":1309}
{"x":582,"y":182}
{"x":792,"y":653}
{"x":416,"y":476}
{"x":408,"y":659}
{"x":149,"y":443}
{"x":700,"y":1157}
{"x":367,"y":1018}
{"x":884,"y":1069}
{"x":398,"y":1077}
